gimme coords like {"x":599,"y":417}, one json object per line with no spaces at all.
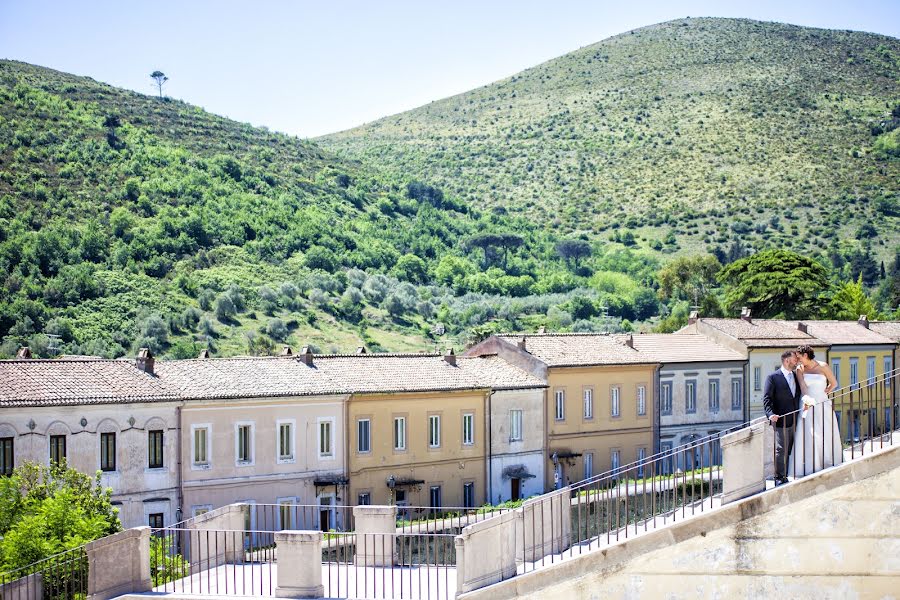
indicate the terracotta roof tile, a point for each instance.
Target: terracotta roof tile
{"x":842,"y":332}
{"x":580,"y":349}
{"x":889,"y":329}
{"x":762,"y":332}
{"x":685,"y":348}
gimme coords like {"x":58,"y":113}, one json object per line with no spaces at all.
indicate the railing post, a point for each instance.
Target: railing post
{"x":209,"y":550}
{"x":486,"y":552}
{"x":548,"y":524}
{"x":371,"y":524}
{"x":299,"y":564}
{"x":743,"y":461}
{"x":119,"y":564}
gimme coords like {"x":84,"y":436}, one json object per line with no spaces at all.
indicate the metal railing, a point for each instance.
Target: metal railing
{"x":58,"y":577}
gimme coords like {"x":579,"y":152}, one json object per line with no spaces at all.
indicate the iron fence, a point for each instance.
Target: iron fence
{"x":63,"y":576}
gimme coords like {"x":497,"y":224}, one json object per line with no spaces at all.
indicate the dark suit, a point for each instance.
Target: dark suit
{"x":778,"y":400}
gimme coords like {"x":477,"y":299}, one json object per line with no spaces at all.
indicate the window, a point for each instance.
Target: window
{"x":468,"y":433}
{"x":560,"y":405}
{"x":7,"y":460}
{"x":57,"y":448}
{"x":286,"y":513}
{"x":243,"y":451}
{"x":690,"y":396}
{"x":364,"y":499}
{"x":641,"y":456}
{"x":588,"y":465}
{"x":107,"y":451}
{"x":588,"y":403}
{"x":836,"y":369}
{"x":614,"y":459}
{"x":434,"y":496}
{"x":641,"y":400}
{"x":888,"y":367}
{"x":665,"y":448}
{"x":156,"y":521}
{"x":714,"y":395}
{"x":854,"y":373}
{"x":737,"y":393}
{"x":665,"y":398}
{"x":200,"y":442}
{"x":399,"y":433}
{"x":363,"y":436}
{"x":757,"y":378}
{"x":515,"y":425}
{"x":202,"y":509}
{"x":434,"y":431}
{"x":155,"y":449}
{"x":469,"y":495}
{"x":326,"y":438}
{"x":870,"y":369}
{"x":285,"y":441}
{"x":614,"y":407}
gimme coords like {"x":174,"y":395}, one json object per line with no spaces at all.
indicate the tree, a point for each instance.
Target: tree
{"x":491,"y":242}
{"x":850,"y":301}
{"x":775,"y":283}
{"x":573,"y":250}
{"x":45,"y":510}
{"x":160,"y":78}
{"x":411,"y":268}
{"x":690,"y":278}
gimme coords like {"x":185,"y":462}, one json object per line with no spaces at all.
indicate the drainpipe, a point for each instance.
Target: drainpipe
{"x":657,"y":410}
{"x":178,"y":474}
{"x":490,"y":446}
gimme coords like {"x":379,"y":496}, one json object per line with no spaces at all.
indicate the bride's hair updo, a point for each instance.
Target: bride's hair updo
{"x":807,"y":351}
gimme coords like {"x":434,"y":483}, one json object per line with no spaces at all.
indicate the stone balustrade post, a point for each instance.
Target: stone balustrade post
{"x":217,"y":537}
{"x":743,"y":461}
{"x":299,"y":564}
{"x":375,"y":528}
{"x":119,"y":564}
{"x":547,"y":525}
{"x":486,"y":552}
{"x":29,"y":587}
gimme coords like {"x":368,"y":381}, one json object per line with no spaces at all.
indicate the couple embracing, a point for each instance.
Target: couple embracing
{"x":807,"y":435}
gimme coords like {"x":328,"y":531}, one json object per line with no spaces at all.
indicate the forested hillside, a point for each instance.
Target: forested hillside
{"x":697,"y":134}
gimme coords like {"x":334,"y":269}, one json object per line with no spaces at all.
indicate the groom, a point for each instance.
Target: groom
{"x":781,"y":399}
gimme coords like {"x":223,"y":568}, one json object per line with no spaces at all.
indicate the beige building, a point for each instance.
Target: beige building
{"x":107,"y":416}
{"x":418,"y":425}
{"x":267,"y":430}
{"x":600,"y":402}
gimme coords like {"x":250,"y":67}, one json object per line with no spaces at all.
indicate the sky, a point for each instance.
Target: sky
{"x":309,"y":68}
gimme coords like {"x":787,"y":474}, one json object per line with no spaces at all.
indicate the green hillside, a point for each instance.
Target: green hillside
{"x":690,"y":134}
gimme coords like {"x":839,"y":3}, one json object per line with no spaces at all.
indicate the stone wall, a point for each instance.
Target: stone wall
{"x":832,"y":535}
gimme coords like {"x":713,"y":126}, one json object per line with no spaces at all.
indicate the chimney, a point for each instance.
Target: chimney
{"x":745,"y":314}
{"x":542,"y":329}
{"x":521,"y":343}
{"x":204,"y":353}
{"x":695,"y":316}
{"x":629,"y":341}
{"x":286,"y":351}
{"x":450,"y":357}
{"x":145,"y":361}
{"x":802,"y":327}
{"x":306,"y":356}
{"x":863,"y":320}
{"x":24,"y":352}
{"x":361,"y":350}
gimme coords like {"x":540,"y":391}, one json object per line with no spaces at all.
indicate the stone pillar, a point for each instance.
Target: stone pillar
{"x":486,"y":552}
{"x":216,"y":538}
{"x":769,"y":452}
{"x":546,"y":525}
{"x":299,"y":564}
{"x":119,"y":564}
{"x":375,"y":528}
{"x":29,"y":587}
{"x":743,"y":461}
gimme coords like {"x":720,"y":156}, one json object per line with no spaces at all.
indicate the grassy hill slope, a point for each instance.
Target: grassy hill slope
{"x":690,"y":133}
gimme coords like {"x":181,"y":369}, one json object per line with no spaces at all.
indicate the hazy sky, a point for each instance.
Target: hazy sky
{"x":310,"y":68}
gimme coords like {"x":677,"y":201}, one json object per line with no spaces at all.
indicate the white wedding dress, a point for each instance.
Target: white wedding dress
{"x":817,"y":439}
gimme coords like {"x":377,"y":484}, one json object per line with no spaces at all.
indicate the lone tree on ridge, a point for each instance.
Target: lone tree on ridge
{"x":160,"y":79}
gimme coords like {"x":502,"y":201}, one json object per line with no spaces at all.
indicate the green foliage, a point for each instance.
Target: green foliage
{"x":850,"y":301}
{"x":775,"y":283}
{"x":47,"y":510}
{"x":165,"y":564}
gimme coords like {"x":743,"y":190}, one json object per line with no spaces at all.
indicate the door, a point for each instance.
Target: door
{"x":515,"y":488}
{"x":326,"y":513}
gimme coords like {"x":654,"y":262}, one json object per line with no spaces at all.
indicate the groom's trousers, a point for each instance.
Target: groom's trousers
{"x":784,"y":443}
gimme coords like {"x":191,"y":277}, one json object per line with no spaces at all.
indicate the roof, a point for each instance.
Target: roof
{"x":685,"y":348}
{"x":245,"y":377}
{"x":890,"y":329}
{"x":386,"y":373}
{"x":580,"y":349}
{"x":762,"y":333}
{"x":844,"y":332}
{"x":75,"y":381}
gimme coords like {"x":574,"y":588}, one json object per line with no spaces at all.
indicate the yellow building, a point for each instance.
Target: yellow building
{"x":599,"y":411}
{"x":418,"y":425}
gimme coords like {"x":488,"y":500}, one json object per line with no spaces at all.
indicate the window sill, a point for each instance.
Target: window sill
{"x":201,"y":466}
{"x":286,"y":461}
{"x":244,"y":463}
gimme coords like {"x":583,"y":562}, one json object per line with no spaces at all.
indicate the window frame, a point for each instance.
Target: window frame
{"x":615,"y":401}
{"x":854,"y":373}
{"x":468,"y":440}
{"x":368,"y":436}
{"x":715,"y":400}
{"x":434,"y":490}
{"x":153,"y":516}
{"x":54,"y":446}
{"x":737,"y":400}
{"x":468,"y":494}
{"x":434,"y":431}
{"x":836,"y":369}
{"x":559,"y":396}
{"x":516,"y":428}
{"x":665,"y":398}
{"x":207,"y":450}
{"x":329,"y":424}
{"x":250,"y":459}
{"x":7,"y":455}
{"x":401,"y":420}
{"x":280,"y":457}
{"x":641,"y":400}
{"x":364,"y":495}
{"x":871,"y":369}
{"x":156,"y":444}
{"x":690,"y":396}
{"x":757,"y":378}
{"x":587,"y":396}
{"x":105,"y":438}
{"x":888,"y":366}
{"x":588,"y":464}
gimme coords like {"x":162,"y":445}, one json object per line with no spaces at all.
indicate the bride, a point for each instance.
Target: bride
{"x":817,"y":439}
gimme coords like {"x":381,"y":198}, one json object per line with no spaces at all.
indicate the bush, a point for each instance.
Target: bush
{"x":276,"y":329}
{"x":225,"y":309}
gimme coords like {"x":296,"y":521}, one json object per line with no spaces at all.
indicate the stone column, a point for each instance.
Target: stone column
{"x":546,"y":524}
{"x":486,"y":552}
{"x":375,"y":528}
{"x":119,"y":564}
{"x":216,"y":537}
{"x":299,"y":564}
{"x":743,"y":461}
